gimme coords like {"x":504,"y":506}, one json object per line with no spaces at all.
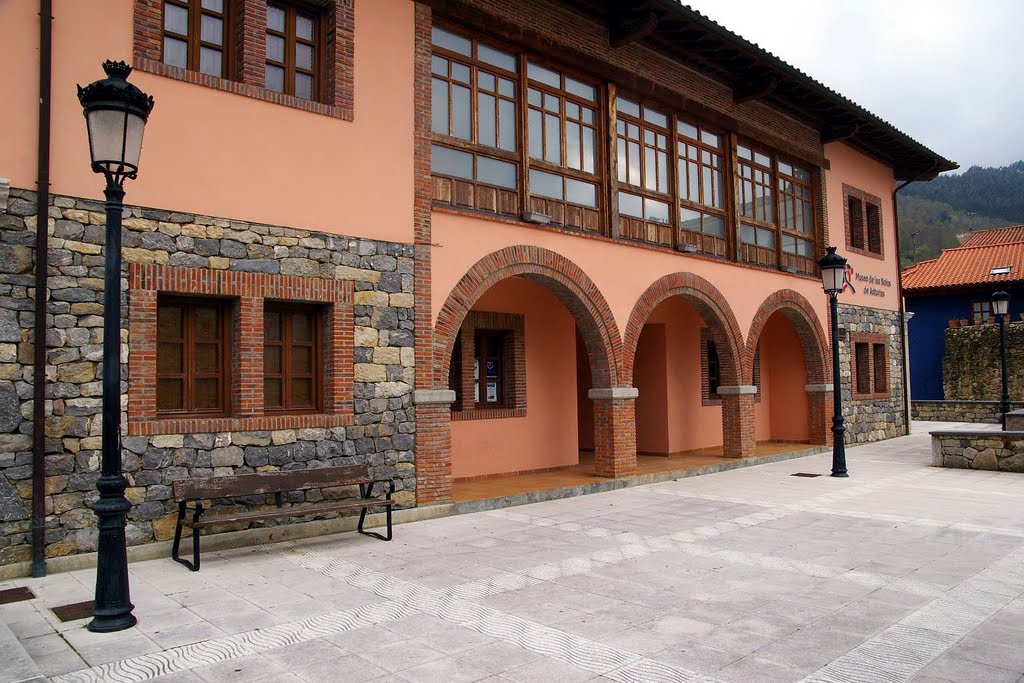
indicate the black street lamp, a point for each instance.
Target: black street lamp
{"x":115,"y":113}
{"x":1000,"y":307}
{"x":833,"y":279}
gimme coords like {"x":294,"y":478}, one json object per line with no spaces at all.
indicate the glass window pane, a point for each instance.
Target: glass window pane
{"x":274,"y":78}
{"x":714,"y":225}
{"x":573,"y":156}
{"x":170,"y":394}
{"x":662,"y":173}
{"x":460,"y":72}
{"x":766,"y":238}
{"x":439,"y":106}
{"x":589,"y":161}
{"x":552,"y":139}
{"x":304,"y":27}
{"x":494,"y":172}
{"x":579,"y":192}
{"x":485,"y":81}
{"x":762,"y":159}
{"x":304,"y":56}
{"x":785,"y":168}
{"x":507,"y":123}
{"x":207,"y":394}
{"x":487,"y":118}
{"x":207,"y":358}
{"x":534,"y":96}
{"x":650,"y":169}
{"x":689,"y":219}
{"x":438,"y":65}
{"x":210,"y":61}
{"x":631,"y":205}
{"x":747,"y":234}
{"x":552,"y":103}
{"x":304,"y":86}
{"x":272,"y":393}
{"x":656,"y":211}
{"x":540,"y":74}
{"x":302,"y":393}
{"x":579,"y":89}
{"x":461,"y":117}
{"x":802,"y":175}
{"x":275,"y":48}
{"x":789,"y":244}
{"x":546,"y":184}
{"x":214,"y":5}
{"x":206,"y":323}
{"x":655,"y":117}
{"x":175,"y":52}
{"x":302,"y":327}
{"x":710,"y":139}
{"x":451,"y":41}
{"x":622,"y":162}
{"x":506,"y":87}
{"x":272,"y":360}
{"x":169,"y":359}
{"x":627,"y":107}
{"x":451,"y":162}
{"x":633,"y":154}
{"x":302,"y":360}
{"x":497,"y":58}
{"x":686,"y":130}
{"x":275,"y":18}
{"x":176,"y":19}
{"x":536,"y":133}
{"x":588,"y":115}
{"x":271,"y":326}
{"x":744,"y":152}
{"x":170,"y":322}
{"x":212,"y":30}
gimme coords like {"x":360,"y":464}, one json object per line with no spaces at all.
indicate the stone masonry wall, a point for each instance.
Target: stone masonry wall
{"x":959,"y":411}
{"x":379,"y":429}
{"x":998,"y":451}
{"x":970,"y":365}
{"x":875,"y":418}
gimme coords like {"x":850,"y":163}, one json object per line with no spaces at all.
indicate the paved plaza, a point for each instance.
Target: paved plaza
{"x":901,"y":572}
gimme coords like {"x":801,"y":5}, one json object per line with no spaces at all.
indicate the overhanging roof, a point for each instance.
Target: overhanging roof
{"x":754,"y":73}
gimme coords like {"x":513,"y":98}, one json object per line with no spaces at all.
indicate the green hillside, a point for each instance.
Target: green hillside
{"x":935,"y":215}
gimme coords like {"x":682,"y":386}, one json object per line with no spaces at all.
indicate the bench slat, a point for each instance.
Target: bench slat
{"x":292,"y":511}
{"x":262,"y":483}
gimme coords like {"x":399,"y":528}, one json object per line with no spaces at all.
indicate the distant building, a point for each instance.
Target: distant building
{"x":958,"y":286}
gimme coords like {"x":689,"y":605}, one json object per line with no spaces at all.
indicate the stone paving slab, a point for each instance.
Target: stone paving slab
{"x":903,"y":572}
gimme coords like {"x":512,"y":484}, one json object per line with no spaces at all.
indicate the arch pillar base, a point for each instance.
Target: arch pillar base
{"x":819,"y":414}
{"x":433,"y":446}
{"x":738,"y":421}
{"x":614,"y":431}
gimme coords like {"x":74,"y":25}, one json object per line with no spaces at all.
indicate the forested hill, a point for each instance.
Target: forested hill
{"x":935,"y":215}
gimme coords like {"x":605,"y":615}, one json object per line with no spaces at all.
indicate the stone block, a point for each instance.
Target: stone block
{"x":368,"y":372}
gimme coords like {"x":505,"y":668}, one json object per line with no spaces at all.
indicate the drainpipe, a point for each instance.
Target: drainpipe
{"x":42,"y":261}
{"x":903,"y":313}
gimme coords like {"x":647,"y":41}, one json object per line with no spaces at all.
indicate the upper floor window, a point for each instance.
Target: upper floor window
{"x":981,"y":311}
{"x":642,"y":137}
{"x":863,"y":219}
{"x":701,"y":181}
{"x":193,"y":340}
{"x":294,"y":46}
{"x":195,"y":35}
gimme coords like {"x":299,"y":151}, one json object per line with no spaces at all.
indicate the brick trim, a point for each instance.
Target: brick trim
{"x":712,"y":306}
{"x":801,"y":314}
{"x":514,"y":367}
{"x":865,"y":199}
{"x":871,"y":339}
{"x":248,"y":43}
{"x":250,"y":290}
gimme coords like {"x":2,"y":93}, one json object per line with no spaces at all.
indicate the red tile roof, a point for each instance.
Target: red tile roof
{"x":972,"y":262}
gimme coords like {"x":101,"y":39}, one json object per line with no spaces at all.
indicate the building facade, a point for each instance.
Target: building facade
{"x":449,"y":239}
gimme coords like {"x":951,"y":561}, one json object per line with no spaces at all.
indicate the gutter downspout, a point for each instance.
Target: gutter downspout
{"x":42,"y":264}
{"x":903,"y":313}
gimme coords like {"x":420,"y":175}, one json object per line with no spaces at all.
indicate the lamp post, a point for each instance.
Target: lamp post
{"x":1000,"y":307}
{"x":115,"y":113}
{"x":833,"y":280}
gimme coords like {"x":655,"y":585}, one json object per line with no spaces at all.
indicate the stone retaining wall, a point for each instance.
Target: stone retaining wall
{"x":872,"y":419}
{"x":959,"y":411}
{"x":971,"y":365}
{"x":999,"y":451}
{"x":379,"y":428}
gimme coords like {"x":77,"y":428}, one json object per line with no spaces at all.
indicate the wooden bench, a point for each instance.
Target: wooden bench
{"x":277,"y":483}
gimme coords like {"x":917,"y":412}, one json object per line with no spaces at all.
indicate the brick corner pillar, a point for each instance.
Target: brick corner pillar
{"x":433,"y":446}
{"x":738,"y":439}
{"x":614,"y":431}
{"x":819,"y":414}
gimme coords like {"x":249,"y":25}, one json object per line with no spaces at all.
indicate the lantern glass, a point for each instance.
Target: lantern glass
{"x":115,"y":140}
{"x":1000,"y":303}
{"x":832,"y":279}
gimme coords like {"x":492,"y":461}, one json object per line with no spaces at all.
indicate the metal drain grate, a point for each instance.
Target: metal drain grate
{"x":74,"y":611}
{"x":805,"y":474}
{"x":16,"y":595}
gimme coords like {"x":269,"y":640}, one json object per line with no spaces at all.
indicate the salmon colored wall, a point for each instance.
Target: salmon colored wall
{"x":650,"y":377}
{"x":782,"y":364}
{"x":853,"y":168}
{"x":546,"y":437}
{"x":219,"y":154}
{"x":460,"y":241}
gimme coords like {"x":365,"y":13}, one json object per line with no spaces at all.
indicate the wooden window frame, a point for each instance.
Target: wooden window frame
{"x":708,"y":397}
{"x":872,"y":342}
{"x":287,"y":309}
{"x":461,"y":377}
{"x":194,"y":39}
{"x":981,"y":311}
{"x":706,"y":243}
{"x":865,"y":235}
{"x":484,"y":343}
{"x":188,"y":342}
{"x":291,"y":39}
{"x":635,"y":227}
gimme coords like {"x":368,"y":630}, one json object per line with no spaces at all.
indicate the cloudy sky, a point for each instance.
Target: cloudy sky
{"x":949,"y":73}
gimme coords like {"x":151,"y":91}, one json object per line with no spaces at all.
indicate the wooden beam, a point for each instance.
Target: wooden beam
{"x":631,"y":28}
{"x":756,"y":89}
{"x":834,"y":132}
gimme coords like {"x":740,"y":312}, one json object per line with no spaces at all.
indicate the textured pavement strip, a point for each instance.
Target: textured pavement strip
{"x":899,"y":652}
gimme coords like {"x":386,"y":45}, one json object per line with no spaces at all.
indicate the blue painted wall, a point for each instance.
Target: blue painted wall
{"x":927,"y":330}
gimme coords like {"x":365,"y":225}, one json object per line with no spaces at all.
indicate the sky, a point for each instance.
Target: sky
{"x":948,"y":73}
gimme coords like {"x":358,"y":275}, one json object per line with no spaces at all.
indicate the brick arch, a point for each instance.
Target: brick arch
{"x":565,"y":279}
{"x":801,"y":314}
{"x":711,"y":305}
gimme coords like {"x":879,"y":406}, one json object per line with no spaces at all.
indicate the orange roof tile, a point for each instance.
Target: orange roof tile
{"x":1008,"y":235}
{"x":972,"y":263}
